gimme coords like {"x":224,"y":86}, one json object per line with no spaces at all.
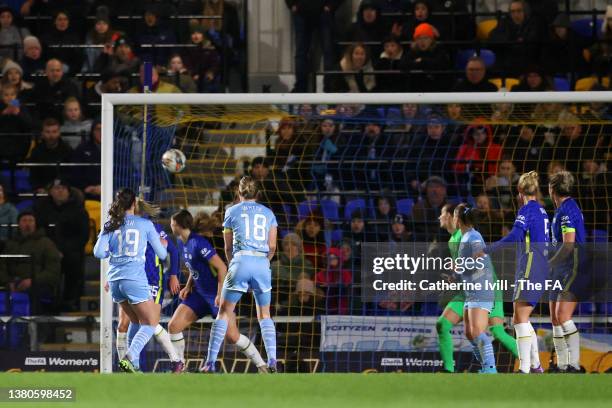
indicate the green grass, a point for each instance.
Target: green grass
{"x":321,"y":390}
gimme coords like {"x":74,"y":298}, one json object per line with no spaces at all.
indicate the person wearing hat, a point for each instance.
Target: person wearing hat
{"x":64,"y":208}
{"x":426,"y":55}
{"x":12,"y":74}
{"x":336,"y":282}
{"x":100,"y":34}
{"x":368,"y":27}
{"x":421,"y":13}
{"x":533,"y":80}
{"x":426,"y":211}
{"x":154,"y":31}
{"x":400,"y":229}
{"x":202,"y":60}
{"x":562,"y":51}
{"x":291,"y":262}
{"x":11,"y":36}
{"x":118,"y":56}
{"x":32,"y":62}
{"x":110,"y":82}
{"x":16,"y":124}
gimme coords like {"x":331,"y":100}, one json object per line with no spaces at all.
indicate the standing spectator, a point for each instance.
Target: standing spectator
{"x":562,"y":53}
{"x":421,"y":13}
{"x":357,"y":233}
{"x":153,"y":31}
{"x":38,"y":275}
{"x":62,"y":33}
{"x":52,"y":91}
{"x":12,"y":74}
{"x":203,"y":61}
{"x":51,"y":149}
{"x":88,"y":178}
{"x":475,"y":78}
{"x":16,"y":126}
{"x":370,"y":146}
{"x":100,"y":35}
{"x":369,"y":26}
{"x":179,"y":75}
{"x":32,"y":62}
{"x":8,"y":215}
{"x":426,"y":212}
{"x":392,"y":59}
{"x":358,"y":68}
{"x":310,"y":16}
{"x":426,"y":55}
{"x":518,"y":37}
{"x":600,"y":53}
{"x":64,"y":207}
{"x":117,"y":57}
{"x":75,"y":127}
{"x":11,"y":36}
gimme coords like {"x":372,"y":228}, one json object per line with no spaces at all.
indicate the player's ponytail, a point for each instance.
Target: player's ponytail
{"x":248,"y":188}
{"x":561,"y":183}
{"x":145,"y":207}
{"x":183,"y":219}
{"x":124,"y":199}
{"x":467,"y":215}
{"x":528,"y":184}
{"x":201,"y":223}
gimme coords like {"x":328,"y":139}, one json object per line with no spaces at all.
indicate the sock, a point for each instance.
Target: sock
{"x":535,"y":353}
{"x":485,"y":346}
{"x":523,"y":343}
{"x":217,"y":334}
{"x":140,"y":340}
{"x":445,"y":343}
{"x":476,"y":352}
{"x":560,"y":347}
{"x":573,"y":343}
{"x":162,"y":336}
{"x":499,"y":332}
{"x":121,"y":344}
{"x":132,"y":330}
{"x":249,"y":350}
{"x":268,"y":332}
{"x":178,"y":342}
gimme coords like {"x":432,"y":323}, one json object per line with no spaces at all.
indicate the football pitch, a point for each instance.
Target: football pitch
{"x":318,"y":390}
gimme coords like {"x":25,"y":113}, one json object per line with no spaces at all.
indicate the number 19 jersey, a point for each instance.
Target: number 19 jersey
{"x":250,"y":223}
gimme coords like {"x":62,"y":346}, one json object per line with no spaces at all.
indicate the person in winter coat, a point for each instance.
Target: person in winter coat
{"x":426,"y":55}
{"x":62,"y":33}
{"x":8,"y":214}
{"x":359,"y":69}
{"x":391,"y":59}
{"x":335,"y":281}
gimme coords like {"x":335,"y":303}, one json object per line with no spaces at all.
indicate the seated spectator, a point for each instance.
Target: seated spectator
{"x":11,"y":36}
{"x":573,"y":139}
{"x":426,"y":211}
{"x":38,"y":275}
{"x":334,"y":280}
{"x":286,"y":152}
{"x":157,"y":86}
{"x":154,"y":31}
{"x":501,"y":185}
{"x":273,"y":191}
{"x":110,"y":82}
{"x":117,"y":57}
{"x":51,"y":8}
{"x":306,"y":300}
{"x":392,"y":59}
{"x":8,"y":215}
{"x":51,"y":92}
{"x":64,"y":207}
{"x":12,"y":74}
{"x":15,"y":127}
{"x":600,"y":53}
{"x":401,"y":229}
{"x":100,"y":34}
{"x":562,"y":52}
{"x":421,"y":13}
{"x":33,"y":63}
{"x":358,"y":66}
{"x":369,"y":26}
{"x":384,"y":212}
{"x":489,"y":220}
{"x":179,"y":75}
{"x":75,"y":127}
{"x":203,"y":61}
{"x":533,"y":80}
{"x":518,"y":38}
{"x":357,"y":233}
{"x":329,"y":150}
{"x":50,"y":149}
{"x":88,"y":178}
{"x":530,"y":147}
{"x":426,"y":55}
{"x":62,"y":33}
{"x":291,"y":262}
{"x":371,"y":145}
{"x":475,"y":78}
{"x":311,"y":230}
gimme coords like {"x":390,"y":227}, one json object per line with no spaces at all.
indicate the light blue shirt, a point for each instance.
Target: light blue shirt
{"x":250,"y":223}
{"x":127,"y":246}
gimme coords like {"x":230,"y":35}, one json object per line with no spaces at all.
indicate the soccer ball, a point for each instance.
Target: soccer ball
{"x":174,"y":160}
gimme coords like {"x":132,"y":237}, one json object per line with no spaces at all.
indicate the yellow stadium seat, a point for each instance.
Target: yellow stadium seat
{"x":510,"y":82}
{"x":484,"y":28}
{"x":93,"y":209}
{"x":585,"y":84}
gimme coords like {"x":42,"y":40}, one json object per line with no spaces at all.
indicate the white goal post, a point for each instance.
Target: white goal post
{"x":109,"y":101}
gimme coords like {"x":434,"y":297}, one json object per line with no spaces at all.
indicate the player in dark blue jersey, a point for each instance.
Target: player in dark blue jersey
{"x":531,"y":234}
{"x":568,"y":237}
{"x":200,"y":296}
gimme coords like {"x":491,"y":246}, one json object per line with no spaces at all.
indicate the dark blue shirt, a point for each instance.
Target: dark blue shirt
{"x":196,"y":254}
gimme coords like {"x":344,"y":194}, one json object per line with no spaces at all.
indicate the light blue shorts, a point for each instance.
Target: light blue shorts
{"x":133,"y":291}
{"x":488,"y":306}
{"x":248,"y":272}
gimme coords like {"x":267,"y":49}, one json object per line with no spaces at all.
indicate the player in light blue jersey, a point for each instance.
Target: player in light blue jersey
{"x":568,"y":265}
{"x":478,"y":303}
{"x":250,"y":243}
{"x":124,"y":240}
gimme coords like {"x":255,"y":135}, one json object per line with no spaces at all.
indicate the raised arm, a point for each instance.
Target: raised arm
{"x":155,"y":240}
{"x":515,"y":235}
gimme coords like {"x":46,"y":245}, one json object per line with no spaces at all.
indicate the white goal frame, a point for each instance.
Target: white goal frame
{"x":109,"y":101}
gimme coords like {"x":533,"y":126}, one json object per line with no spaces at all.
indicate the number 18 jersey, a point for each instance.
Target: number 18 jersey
{"x":250,"y":223}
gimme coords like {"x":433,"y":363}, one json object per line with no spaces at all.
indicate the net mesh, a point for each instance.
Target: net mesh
{"x":321,"y":167}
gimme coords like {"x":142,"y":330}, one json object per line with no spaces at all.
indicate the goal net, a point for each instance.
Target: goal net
{"x":351,"y":173}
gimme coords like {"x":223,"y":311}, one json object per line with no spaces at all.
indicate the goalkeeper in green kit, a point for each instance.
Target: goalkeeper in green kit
{"x":453,"y":313}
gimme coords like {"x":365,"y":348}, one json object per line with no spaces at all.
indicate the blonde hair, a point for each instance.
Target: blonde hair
{"x":561,"y":183}
{"x":248,"y":188}
{"x":528,"y":183}
{"x":145,"y":207}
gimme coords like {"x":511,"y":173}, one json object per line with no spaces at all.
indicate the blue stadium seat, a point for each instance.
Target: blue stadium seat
{"x":24,"y":205}
{"x":22,"y":181}
{"x":367,"y":345}
{"x":348,"y":346}
{"x":356,"y":204}
{"x":404,"y":206}
{"x":430,"y":309}
{"x":329,"y":208}
{"x":562,"y":84}
{"x":584,"y":27}
{"x":289,"y":212}
{"x":4,"y":298}
{"x":336,"y":235}
{"x":20,"y":304}
{"x":463,"y":57}
{"x":609,"y":308}
{"x":586,"y":308}
{"x":599,"y":235}
{"x":391,"y":345}
{"x":305,"y":208}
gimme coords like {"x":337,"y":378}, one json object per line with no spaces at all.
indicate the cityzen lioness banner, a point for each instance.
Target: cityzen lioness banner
{"x":385,"y":333}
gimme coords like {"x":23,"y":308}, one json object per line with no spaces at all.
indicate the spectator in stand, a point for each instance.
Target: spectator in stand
{"x":50,"y":8}
{"x":489,"y":221}
{"x":311,"y":230}
{"x":426,"y":55}
{"x":335,"y":280}
{"x":421,"y":13}
{"x":358,"y":68}
{"x":8,"y":215}
{"x":310,"y":16}
{"x":274,"y":192}
{"x":357,"y":233}
{"x":394,"y":23}
{"x":330,"y":149}
{"x":179,"y":75}
{"x":76,"y":127}
{"x":12,"y":74}
{"x":530,"y":147}
{"x":392,"y":59}
{"x":62,"y":33}
{"x":534,"y":80}
{"x":38,"y":275}
{"x":400,"y":231}
{"x":50,"y":149}
{"x":291,"y":263}
{"x":519,"y":40}
{"x":110,"y":82}
{"x":369,"y":26}
{"x":501,"y":184}
{"x":475,"y":78}
{"x":574,"y":143}
{"x":88,"y":178}
{"x":32,"y":62}
{"x":117,"y":57}
{"x":384,"y":212}
{"x":51,"y":92}
{"x":286,"y":152}
{"x":11,"y":36}
{"x":15,"y":126}
{"x":562,"y":53}
{"x":600,"y":53}
{"x":228,"y":23}
{"x":100,"y":34}
{"x":203,"y":61}
{"x":426,"y":211}
{"x":64,"y":207}
{"x":457,"y":23}
{"x":154,"y":31}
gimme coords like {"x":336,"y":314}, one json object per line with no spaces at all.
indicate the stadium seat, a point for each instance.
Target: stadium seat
{"x":599,"y":235}
{"x":367,"y":345}
{"x":356,"y":204}
{"x":20,"y":304}
{"x":586,"y":308}
{"x":3,"y":303}
{"x":484,"y":28}
{"x":609,"y":308}
{"x":463,"y":57}
{"x":562,"y":84}
{"x":585,"y":84}
{"x":430,"y":309}
{"x":288,"y":208}
{"x":404,"y":206}
{"x":584,"y":27}
{"x":348,"y":346}
{"x":93,"y":209}
{"x":509,"y":83}
{"x":305,"y":208}
{"x":336,"y":235}
{"x":22,"y":181}
{"x":24,"y":205}
{"x":391,"y":345}
{"x":329,"y":208}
